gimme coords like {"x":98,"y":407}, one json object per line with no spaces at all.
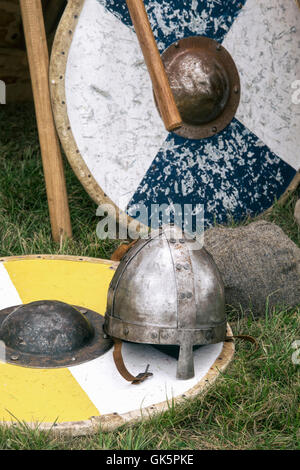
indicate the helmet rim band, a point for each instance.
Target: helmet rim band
{"x":208,"y":334}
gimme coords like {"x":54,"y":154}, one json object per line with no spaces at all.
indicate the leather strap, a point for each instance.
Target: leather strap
{"x":249,"y":338}
{"x":135,"y":380}
{"x":122,"y":250}
{"x":117,"y":354}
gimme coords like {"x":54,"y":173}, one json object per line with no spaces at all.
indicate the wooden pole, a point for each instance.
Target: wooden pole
{"x":38,"y":58}
{"x":163,"y":93}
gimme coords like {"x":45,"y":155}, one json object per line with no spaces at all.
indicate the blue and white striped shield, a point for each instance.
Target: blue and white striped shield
{"x":119,"y":137}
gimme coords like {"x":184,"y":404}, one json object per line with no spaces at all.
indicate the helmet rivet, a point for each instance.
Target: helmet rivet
{"x":209,"y":335}
{"x":178,"y":266}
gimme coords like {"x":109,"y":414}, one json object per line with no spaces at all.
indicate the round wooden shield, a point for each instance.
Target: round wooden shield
{"x":112,"y":133}
{"x":78,"y":399}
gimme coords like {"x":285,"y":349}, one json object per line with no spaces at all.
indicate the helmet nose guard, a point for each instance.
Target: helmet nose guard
{"x":185,"y":364}
{"x":166,"y":292}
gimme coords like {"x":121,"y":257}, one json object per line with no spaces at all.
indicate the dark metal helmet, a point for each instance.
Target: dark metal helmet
{"x":166,"y":292}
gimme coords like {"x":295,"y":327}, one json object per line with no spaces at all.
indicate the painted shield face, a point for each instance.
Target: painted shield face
{"x":112,"y":132}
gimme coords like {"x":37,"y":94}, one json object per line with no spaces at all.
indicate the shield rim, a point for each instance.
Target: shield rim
{"x":57,"y":71}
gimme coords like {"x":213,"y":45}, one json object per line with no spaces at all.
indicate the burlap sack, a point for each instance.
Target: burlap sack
{"x":258,"y":263}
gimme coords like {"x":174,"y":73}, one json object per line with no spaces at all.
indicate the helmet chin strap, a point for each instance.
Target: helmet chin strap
{"x":118,"y":358}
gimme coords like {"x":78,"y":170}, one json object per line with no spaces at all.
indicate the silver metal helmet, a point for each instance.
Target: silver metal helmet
{"x":166,"y":292}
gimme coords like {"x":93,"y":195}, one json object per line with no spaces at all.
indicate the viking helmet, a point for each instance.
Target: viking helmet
{"x":166,"y":292}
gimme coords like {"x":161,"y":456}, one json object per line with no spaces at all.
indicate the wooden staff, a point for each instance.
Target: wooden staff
{"x":38,"y":58}
{"x":163,"y":93}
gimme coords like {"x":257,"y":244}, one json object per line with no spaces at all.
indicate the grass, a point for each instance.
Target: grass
{"x":253,"y":405}
{"x":24,"y":220}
